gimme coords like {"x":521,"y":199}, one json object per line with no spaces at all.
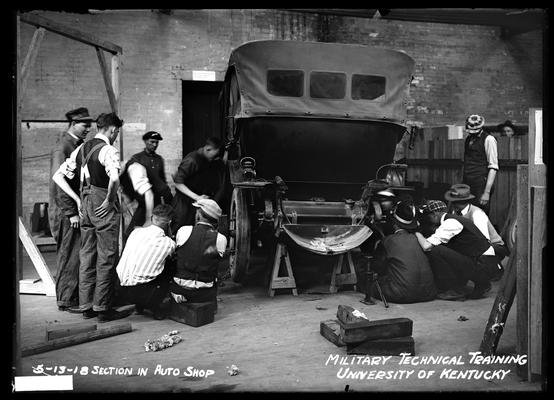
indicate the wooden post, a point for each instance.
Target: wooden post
{"x":29,"y":62}
{"x":116,"y":93}
{"x":536,"y":215}
{"x":521,"y":265}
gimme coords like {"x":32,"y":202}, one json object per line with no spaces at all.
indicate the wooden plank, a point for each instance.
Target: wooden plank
{"x":26,"y":287}
{"x":76,"y":339}
{"x":346,"y":315}
{"x":37,"y":20}
{"x":56,"y":331}
{"x":107,"y":79}
{"x":29,"y":62}
{"x":500,"y":309}
{"x":522,"y":206}
{"x":383,"y":347}
{"x":380,"y":329}
{"x":330,"y":330}
{"x":537,"y":244}
{"x":193,"y":314}
{"x":535,"y":144}
{"x":37,"y":259}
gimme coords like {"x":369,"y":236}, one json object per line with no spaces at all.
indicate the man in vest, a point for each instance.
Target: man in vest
{"x":458,"y":252}
{"x":147,"y":174}
{"x":405,"y":275}
{"x":480,"y":161}
{"x":98,"y":163}
{"x":63,"y":213}
{"x":199,"y":250}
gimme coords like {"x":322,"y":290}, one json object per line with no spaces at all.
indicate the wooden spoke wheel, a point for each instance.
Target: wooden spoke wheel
{"x":239,"y":236}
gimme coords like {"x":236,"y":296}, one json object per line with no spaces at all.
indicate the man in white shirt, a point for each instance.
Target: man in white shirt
{"x":459,"y":197}
{"x":146,"y":181}
{"x":458,"y":252}
{"x":97,"y":163}
{"x":141,"y":270}
{"x":199,"y":250}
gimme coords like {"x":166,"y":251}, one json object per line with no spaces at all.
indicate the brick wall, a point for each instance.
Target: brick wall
{"x":460,"y":69}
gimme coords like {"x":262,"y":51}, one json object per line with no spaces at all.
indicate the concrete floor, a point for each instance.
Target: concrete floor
{"x":275,"y":343}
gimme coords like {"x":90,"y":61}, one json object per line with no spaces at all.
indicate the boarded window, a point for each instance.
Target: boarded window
{"x":281,"y":82}
{"x":368,"y":87}
{"x":327,"y":85}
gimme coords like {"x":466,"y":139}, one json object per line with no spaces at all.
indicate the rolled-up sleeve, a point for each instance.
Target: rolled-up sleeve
{"x":68,"y":167}
{"x":491,"y":151}
{"x":187,"y":167}
{"x":446,"y":231}
{"x":139,"y":177}
{"x":109,"y":158}
{"x":221,"y":244}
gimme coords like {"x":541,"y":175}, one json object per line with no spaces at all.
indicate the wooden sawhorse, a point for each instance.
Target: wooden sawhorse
{"x":339,"y":278}
{"x":282,"y":282}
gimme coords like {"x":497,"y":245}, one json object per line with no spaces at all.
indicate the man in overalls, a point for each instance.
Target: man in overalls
{"x":98,"y":162}
{"x":63,"y":214}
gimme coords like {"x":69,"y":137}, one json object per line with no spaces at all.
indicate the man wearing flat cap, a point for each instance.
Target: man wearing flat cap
{"x":62,"y":211}
{"x":480,"y":161}
{"x":199,"y":251}
{"x":148,"y":184}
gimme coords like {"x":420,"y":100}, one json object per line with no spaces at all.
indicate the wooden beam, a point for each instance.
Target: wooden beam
{"x":29,"y":62}
{"x":107,"y":79}
{"x":36,"y":20}
{"x":16,"y":348}
{"x":37,"y":259}
{"x":57,"y":331}
{"x":537,"y":243}
{"x":521,"y":265}
{"x":76,"y":339}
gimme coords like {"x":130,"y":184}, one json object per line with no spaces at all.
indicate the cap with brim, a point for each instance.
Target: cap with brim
{"x":436,"y":205}
{"x":209,"y":206}
{"x":459,"y":192}
{"x":79,"y":115}
{"x":404,"y":220}
{"x":152,"y":135}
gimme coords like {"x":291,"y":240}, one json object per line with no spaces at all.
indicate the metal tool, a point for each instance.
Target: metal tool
{"x":372,"y":279}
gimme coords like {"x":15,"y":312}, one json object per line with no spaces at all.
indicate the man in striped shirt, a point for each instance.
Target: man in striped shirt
{"x":141,"y":270}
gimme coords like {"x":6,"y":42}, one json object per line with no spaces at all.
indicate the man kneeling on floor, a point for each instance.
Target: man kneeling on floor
{"x":199,"y":250}
{"x":142,"y":270}
{"x":404,"y":272}
{"x":458,"y":252}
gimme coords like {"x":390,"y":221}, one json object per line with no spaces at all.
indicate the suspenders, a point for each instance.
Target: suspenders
{"x":86,"y":159}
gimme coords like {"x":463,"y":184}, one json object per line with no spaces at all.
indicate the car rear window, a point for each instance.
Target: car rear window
{"x":368,"y":87}
{"x":327,"y":85}
{"x":284,"y":82}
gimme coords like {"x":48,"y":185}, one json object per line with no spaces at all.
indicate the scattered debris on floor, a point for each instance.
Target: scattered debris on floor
{"x":360,"y":336}
{"x":320,"y":308}
{"x":462,"y":318}
{"x":163,"y":342}
{"x":234,"y":370}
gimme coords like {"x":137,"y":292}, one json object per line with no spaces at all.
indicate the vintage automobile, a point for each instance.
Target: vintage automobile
{"x":309,"y":124}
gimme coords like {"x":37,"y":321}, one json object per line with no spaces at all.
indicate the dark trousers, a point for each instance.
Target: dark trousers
{"x":138,"y":219}
{"x":148,"y":295}
{"x":202,"y":295}
{"x":477,"y":186}
{"x":452,"y":269}
{"x":68,"y":243}
{"x":99,"y":251}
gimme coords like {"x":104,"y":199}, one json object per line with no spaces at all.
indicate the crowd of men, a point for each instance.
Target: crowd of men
{"x":172,"y":246}
{"x":170,"y":239}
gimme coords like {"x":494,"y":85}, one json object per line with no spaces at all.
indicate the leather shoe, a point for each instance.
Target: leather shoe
{"x":90,"y":313}
{"x":74,"y":310}
{"x":480,"y":290}
{"x":111,"y":315}
{"x":452,"y":295}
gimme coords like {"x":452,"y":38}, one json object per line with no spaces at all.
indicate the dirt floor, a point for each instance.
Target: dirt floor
{"x":276,"y":345}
